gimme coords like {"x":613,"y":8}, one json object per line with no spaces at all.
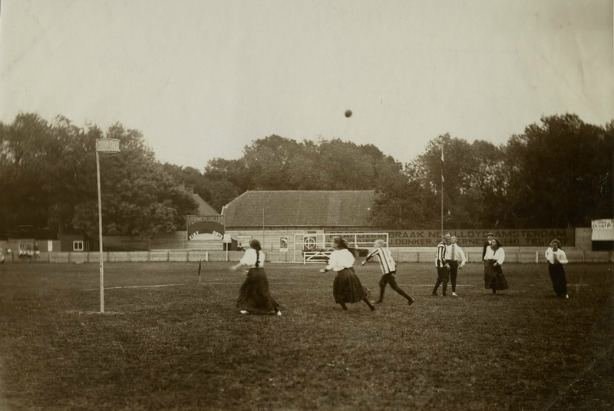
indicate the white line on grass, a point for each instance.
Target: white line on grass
{"x":431,"y":285}
{"x":136,"y":286}
{"x":94,"y":312}
{"x":289,"y":282}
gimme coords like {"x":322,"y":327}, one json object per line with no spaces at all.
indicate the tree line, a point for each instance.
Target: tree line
{"x":48,"y":179}
{"x":557,"y":173}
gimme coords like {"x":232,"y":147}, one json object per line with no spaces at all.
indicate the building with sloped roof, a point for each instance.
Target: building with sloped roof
{"x":204,"y":208}
{"x":299,"y":210}
{"x":296,"y":220}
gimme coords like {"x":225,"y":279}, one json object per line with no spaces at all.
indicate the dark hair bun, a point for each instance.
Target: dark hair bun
{"x":255,"y":244}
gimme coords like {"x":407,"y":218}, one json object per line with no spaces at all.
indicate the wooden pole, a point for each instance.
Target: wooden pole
{"x":100,"y":233}
{"x":442,"y":181}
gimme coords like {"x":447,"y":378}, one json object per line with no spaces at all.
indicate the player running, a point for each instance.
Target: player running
{"x":389,"y":270}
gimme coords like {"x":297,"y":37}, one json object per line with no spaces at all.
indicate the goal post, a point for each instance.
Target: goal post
{"x":316,"y":247}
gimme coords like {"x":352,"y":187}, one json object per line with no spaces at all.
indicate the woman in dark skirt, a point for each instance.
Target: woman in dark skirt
{"x":556,"y":258}
{"x":346,"y":287}
{"x":254,"y":295}
{"x":493,"y":275}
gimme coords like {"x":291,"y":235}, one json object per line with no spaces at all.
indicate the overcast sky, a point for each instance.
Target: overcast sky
{"x":201,"y":79}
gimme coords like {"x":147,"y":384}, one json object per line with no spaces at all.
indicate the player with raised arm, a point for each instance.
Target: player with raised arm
{"x":389,"y":270}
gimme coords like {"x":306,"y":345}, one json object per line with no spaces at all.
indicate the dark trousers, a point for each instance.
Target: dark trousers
{"x":453,"y":273}
{"x":443,"y":276}
{"x":557,"y":276}
{"x":389,"y":279}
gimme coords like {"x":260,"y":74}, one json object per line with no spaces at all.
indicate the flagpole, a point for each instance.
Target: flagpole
{"x":442,"y":181}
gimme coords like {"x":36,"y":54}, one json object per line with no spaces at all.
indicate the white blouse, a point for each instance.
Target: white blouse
{"x":498,"y":255}
{"x":561,"y":257}
{"x":454,"y":252}
{"x":340,"y":259}
{"x":249,"y":258}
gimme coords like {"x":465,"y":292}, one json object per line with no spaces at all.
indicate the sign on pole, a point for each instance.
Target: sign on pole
{"x":103,"y":145}
{"x":107,"y":145}
{"x":602,"y":230}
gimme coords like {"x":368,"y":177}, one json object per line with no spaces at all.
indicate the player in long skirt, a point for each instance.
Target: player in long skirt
{"x":556,"y":258}
{"x":493,"y":275}
{"x":489,"y":239}
{"x":347,"y":287}
{"x":254,"y":295}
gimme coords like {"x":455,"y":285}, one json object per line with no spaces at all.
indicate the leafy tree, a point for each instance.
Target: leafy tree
{"x":48,"y":179}
{"x":401,"y":203}
{"x":557,"y":173}
{"x":474,"y":182}
{"x":560,"y":173}
{"x":276,"y":163}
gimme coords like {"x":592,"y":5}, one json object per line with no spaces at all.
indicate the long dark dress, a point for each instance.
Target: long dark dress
{"x":347,"y":287}
{"x":493,"y":276}
{"x":557,"y":276}
{"x":254,"y":295}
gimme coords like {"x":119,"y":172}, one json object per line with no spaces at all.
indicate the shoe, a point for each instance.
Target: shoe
{"x":410,"y":301}
{"x":243,"y":311}
{"x":278,"y":313}
{"x":454,"y":294}
{"x":434,"y":294}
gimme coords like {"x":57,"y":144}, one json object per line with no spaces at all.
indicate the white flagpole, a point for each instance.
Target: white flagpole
{"x":103,"y":145}
{"x":100,"y":233}
{"x":442,"y":181}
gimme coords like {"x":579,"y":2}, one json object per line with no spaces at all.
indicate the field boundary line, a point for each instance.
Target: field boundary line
{"x":137,"y":286}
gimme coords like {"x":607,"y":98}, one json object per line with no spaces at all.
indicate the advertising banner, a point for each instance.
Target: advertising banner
{"x":205,"y":230}
{"x":603,"y":230}
{"x":476,"y":237}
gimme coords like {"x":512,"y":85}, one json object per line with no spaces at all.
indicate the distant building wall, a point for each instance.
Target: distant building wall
{"x":73,"y":242}
{"x":177,"y":240}
{"x":583,"y":238}
{"x":278,"y":244}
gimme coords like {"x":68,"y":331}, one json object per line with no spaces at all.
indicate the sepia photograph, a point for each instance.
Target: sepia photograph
{"x":307,"y":205}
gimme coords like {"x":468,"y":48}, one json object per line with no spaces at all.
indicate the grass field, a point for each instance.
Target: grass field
{"x":185,"y":346}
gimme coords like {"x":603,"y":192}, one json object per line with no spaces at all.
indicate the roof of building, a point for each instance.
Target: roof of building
{"x":29,"y":232}
{"x":204,"y":209}
{"x":300,"y":209}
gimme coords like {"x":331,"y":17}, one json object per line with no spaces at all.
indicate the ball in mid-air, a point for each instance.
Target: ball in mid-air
{"x":348,"y":113}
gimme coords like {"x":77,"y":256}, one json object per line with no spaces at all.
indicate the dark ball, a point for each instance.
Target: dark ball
{"x":348,"y":113}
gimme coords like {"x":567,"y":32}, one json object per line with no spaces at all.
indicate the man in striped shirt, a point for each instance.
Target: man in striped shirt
{"x":443,"y":269}
{"x":389,"y":269}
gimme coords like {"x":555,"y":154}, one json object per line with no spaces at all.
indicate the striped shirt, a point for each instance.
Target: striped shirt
{"x":386,"y":262}
{"x":440,"y":258}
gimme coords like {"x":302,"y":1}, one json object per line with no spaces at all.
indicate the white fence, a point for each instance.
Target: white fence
{"x":402,"y":255}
